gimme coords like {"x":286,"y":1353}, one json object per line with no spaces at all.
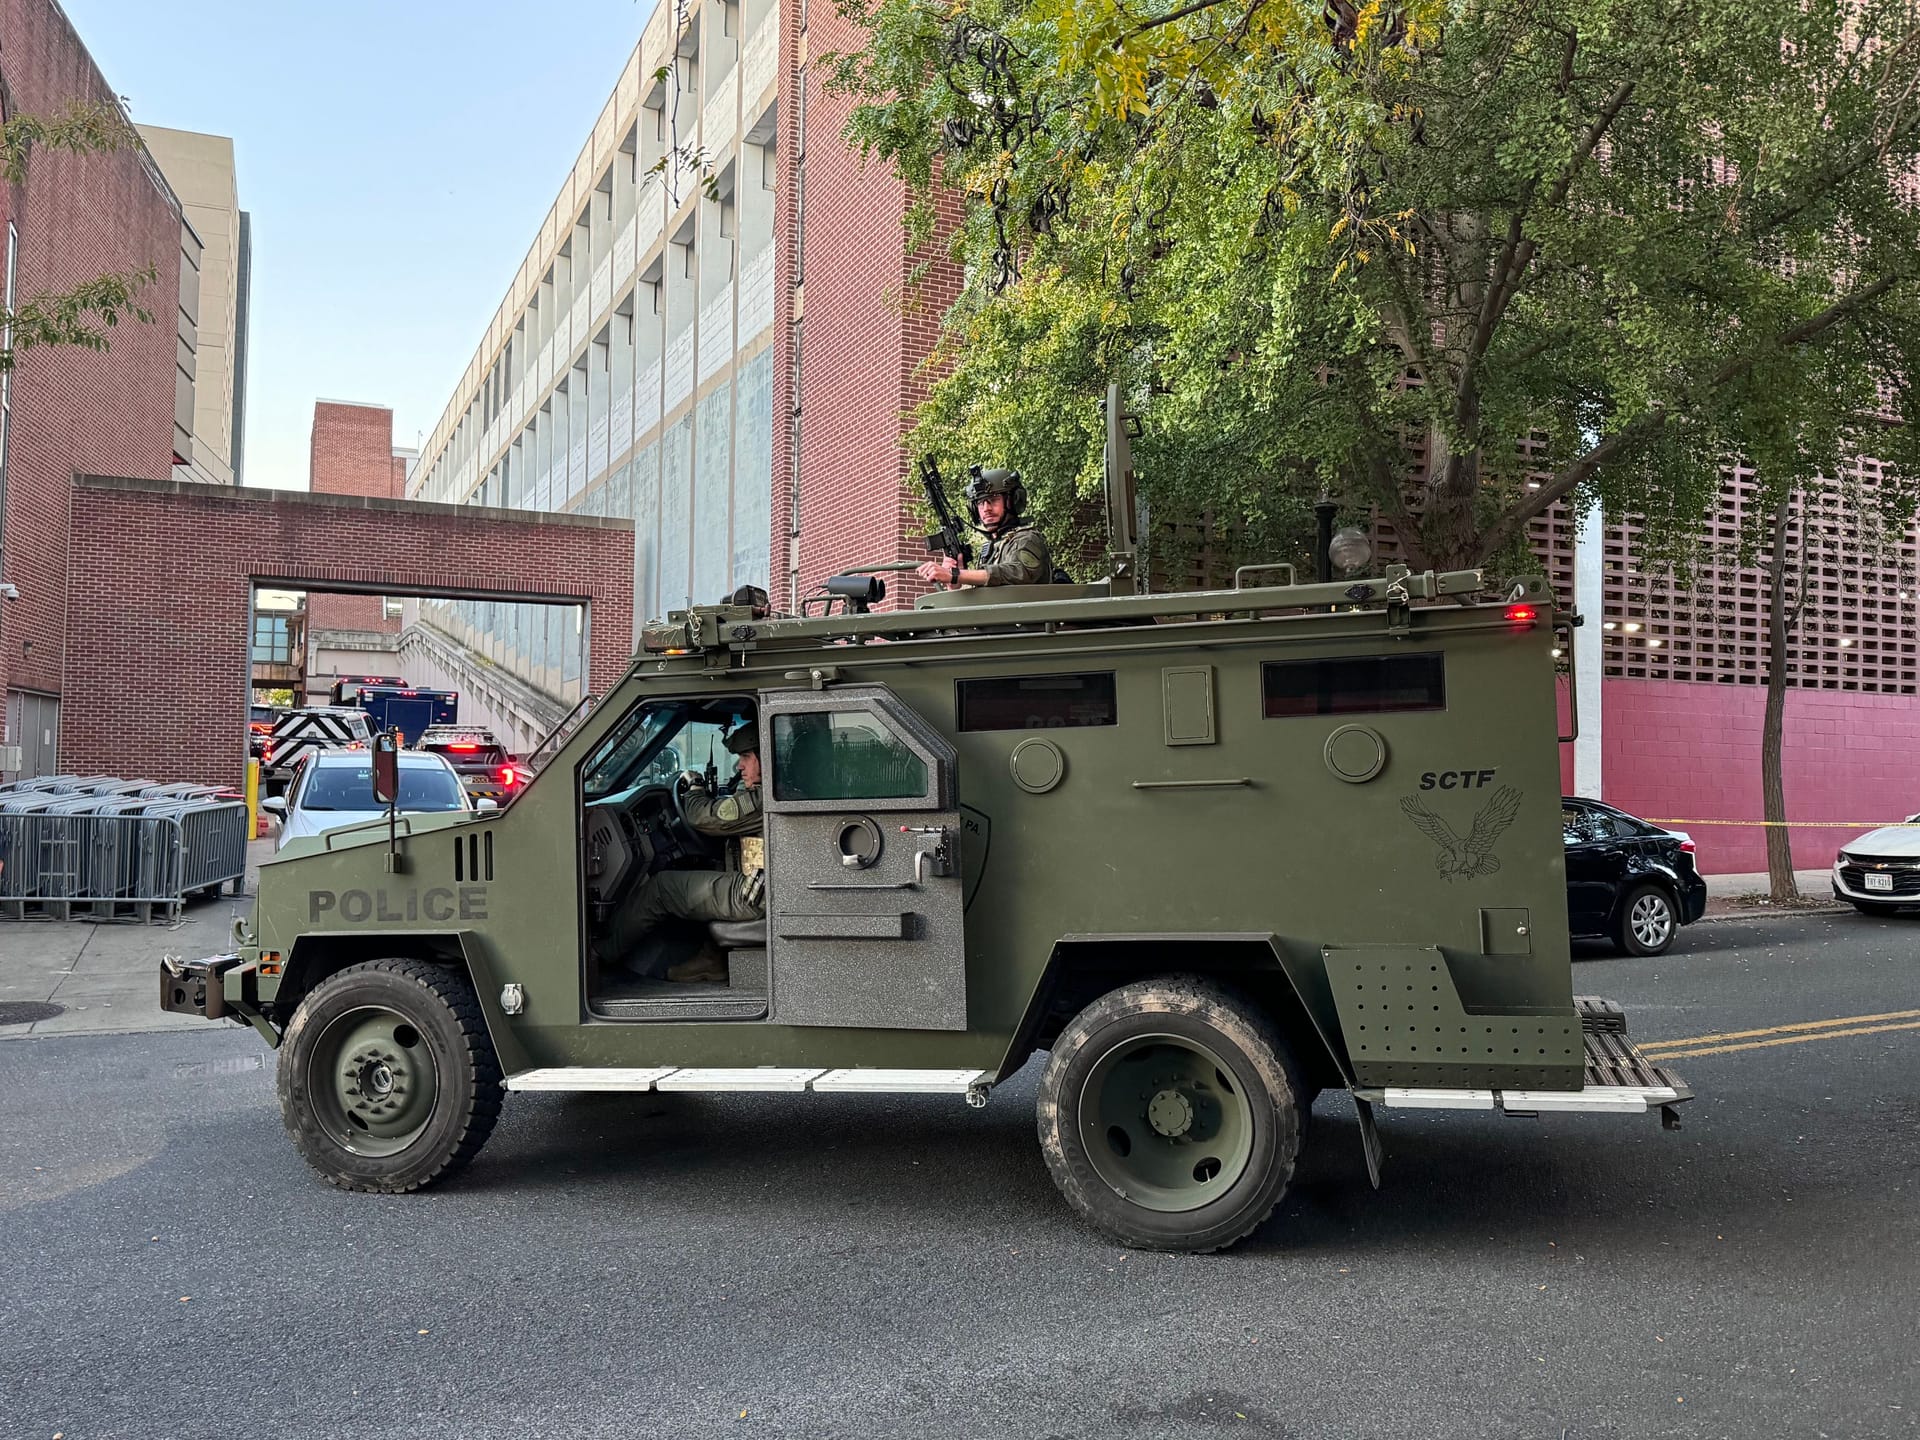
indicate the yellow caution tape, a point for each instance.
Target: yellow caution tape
{"x":1789,"y":824}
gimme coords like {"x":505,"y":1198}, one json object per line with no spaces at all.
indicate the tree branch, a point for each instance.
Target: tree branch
{"x":1518,"y":252}
{"x":1182,"y":13}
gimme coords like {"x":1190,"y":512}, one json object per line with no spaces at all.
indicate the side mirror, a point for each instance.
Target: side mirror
{"x":485,"y":804}
{"x":275,"y":805}
{"x":386,"y":768}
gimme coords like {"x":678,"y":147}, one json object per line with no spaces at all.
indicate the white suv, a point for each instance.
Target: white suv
{"x":335,"y":788}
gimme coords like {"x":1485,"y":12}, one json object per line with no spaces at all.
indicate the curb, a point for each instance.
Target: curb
{"x":1763,"y":913}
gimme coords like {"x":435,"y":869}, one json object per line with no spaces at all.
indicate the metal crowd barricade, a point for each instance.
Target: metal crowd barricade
{"x":114,"y":856}
{"x":150,"y":791}
{"x":212,"y":842}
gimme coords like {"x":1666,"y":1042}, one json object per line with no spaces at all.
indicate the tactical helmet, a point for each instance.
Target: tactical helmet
{"x":744,"y":740}
{"x":982,"y":483}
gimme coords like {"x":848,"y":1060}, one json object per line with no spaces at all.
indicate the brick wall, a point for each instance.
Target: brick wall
{"x":1686,"y":751}
{"x":181,"y":561}
{"x":351,"y":453}
{"x":865,"y":333}
{"x":76,"y":409}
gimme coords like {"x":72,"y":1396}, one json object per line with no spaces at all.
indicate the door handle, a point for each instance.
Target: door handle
{"x":1190,"y":784}
{"x":921,"y":860}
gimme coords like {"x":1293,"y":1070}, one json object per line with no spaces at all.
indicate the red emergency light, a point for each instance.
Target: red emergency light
{"x":1522,"y":614}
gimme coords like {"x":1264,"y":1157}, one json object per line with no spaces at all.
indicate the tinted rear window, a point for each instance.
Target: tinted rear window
{"x":465,"y":752}
{"x":1037,"y":702}
{"x":1353,"y":685}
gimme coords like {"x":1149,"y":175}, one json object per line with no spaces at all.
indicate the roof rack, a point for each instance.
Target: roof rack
{"x":718,"y":628}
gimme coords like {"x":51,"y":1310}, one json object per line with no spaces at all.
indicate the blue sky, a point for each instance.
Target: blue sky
{"x":396,"y":160}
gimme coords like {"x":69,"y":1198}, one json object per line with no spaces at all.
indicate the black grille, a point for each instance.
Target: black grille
{"x":1854,"y":870}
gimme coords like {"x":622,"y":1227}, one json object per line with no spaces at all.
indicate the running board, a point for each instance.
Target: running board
{"x":758,"y":1078}
{"x":1594,"y":1100}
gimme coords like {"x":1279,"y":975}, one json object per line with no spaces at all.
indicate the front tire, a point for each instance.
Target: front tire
{"x":1169,"y":1114}
{"x":1648,"y":921}
{"x":387,"y":1079}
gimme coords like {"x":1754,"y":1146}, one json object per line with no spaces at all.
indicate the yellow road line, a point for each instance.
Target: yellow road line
{"x":1781,"y":1029}
{"x":1667,"y":1055}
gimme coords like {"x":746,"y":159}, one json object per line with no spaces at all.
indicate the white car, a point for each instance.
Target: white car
{"x":1880,"y":872}
{"x":335,"y":787}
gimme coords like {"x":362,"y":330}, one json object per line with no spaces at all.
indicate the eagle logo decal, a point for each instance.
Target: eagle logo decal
{"x":1472,"y":856}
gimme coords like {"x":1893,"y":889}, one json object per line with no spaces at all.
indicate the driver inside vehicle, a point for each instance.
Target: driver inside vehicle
{"x":703,"y":895}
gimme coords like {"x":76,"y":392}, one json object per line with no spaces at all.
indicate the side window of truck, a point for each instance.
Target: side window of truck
{"x":1035,"y":702}
{"x":842,"y":755}
{"x":1353,"y":685}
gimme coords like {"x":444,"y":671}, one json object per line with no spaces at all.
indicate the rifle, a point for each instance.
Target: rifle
{"x":949,"y":539}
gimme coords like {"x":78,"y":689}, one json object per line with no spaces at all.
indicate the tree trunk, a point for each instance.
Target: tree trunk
{"x":1773,"y":798}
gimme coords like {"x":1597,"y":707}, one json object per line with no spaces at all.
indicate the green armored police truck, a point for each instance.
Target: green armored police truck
{"x":1213,"y":853}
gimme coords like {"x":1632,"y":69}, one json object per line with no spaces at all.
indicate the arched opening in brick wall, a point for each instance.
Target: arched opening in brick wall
{"x":165,"y":586}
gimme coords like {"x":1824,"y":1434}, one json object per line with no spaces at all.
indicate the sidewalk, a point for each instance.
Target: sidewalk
{"x":1724,"y":891}
{"x":106,"y":978}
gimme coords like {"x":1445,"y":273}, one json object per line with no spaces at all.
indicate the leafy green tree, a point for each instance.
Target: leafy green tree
{"x":85,"y":314}
{"x":1370,"y":250}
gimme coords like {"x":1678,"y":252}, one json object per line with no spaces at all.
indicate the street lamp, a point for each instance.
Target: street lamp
{"x":1350,"y":550}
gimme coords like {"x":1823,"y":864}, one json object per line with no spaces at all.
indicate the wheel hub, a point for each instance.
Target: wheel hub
{"x":1164,"y":1124}
{"x":376,"y":1081}
{"x":1170,"y":1113}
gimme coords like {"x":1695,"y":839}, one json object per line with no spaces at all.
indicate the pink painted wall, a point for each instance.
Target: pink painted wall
{"x":1679,"y":750}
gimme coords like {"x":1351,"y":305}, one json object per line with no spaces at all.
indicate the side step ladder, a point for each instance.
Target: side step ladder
{"x":1619,"y":1080}
{"x":759,"y":1078}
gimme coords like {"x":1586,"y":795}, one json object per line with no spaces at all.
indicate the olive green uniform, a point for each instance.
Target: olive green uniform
{"x":704,"y":895}
{"x":1017,"y":556}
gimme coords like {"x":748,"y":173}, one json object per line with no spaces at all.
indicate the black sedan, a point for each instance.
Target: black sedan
{"x":1628,"y":881}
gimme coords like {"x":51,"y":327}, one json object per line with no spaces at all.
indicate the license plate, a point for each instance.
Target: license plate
{"x":1879,"y":881}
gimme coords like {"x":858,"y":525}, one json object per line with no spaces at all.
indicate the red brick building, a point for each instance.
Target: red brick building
{"x":351,"y":453}
{"x":70,"y":409}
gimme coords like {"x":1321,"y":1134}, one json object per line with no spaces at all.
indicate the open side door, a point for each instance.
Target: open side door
{"x":864,"y":895}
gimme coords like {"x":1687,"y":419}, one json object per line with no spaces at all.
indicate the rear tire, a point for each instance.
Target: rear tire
{"x":1169,"y":1114}
{"x":1648,"y":921}
{"x":387,"y":1078}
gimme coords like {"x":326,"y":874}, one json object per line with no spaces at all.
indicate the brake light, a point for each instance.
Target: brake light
{"x":509,"y":775}
{"x":1688,"y":846}
{"x":1522,"y":614}
{"x":464,"y":749}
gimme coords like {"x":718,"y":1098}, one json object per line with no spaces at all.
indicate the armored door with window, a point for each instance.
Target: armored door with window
{"x":864,"y":905}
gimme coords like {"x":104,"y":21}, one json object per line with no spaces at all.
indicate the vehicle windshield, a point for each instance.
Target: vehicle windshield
{"x":656,"y":742}
{"x":350,"y":787}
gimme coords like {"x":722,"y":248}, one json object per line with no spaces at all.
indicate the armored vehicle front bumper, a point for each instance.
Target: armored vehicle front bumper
{"x":199,"y":987}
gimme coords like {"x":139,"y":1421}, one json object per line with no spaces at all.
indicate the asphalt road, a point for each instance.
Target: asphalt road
{"x":691,"y":1266}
